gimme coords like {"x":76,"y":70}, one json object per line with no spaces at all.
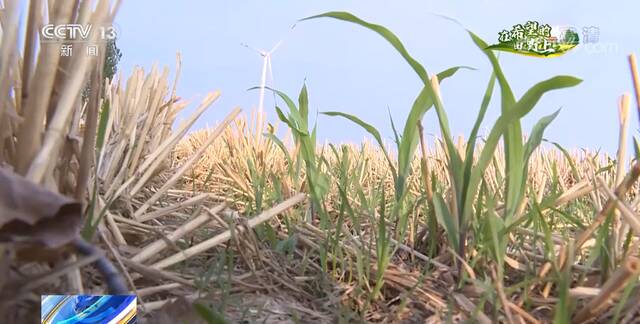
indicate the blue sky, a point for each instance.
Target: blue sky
{"x":351,"y":69}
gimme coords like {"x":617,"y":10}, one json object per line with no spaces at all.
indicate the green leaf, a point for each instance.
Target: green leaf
{"x":410,"y":138}
{"x":279,"y":143}
{"x":454,"y":164}
{"x":507,"y":94}
{"x":513,"y":133}
{"x":102,"y":125}
{"x":423,"y":102}
{"x":286,"y":246}
{"x":320,"y":183}
{"x":303,"y":104}
{"x":520,"y":109}
{"x":563,"y":309}
{"x":371,"y":130}
{"x":533,"y":95}
{"x":451,"y":71}
{"x":293,"y":110}
{"x":382,"y":31}
{"x":209,"y":315}
{"x":396,"y":137}
{"x":409,"y":142}
{"x":446,"y":220}
{"x":291,"y":125}
{"x":535,"y":138}
{"x":471,"y":142}
{"x":496,"y":225}
{"x":569,"y":159}
{"x":626,"y":293}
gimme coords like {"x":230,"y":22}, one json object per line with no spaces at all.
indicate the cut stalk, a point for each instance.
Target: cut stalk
{"x":226,"y":235}
{"x":629,"y":269}
{"x":188,"y":164}
{"x":620,"y":228}
{"x":186,"y":228}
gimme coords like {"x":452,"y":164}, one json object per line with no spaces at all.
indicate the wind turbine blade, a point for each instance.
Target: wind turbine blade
{"x":276,"y":46}
{"x":283,"y":39}
{"x":261,"y":52}
{"x":273,"y":83}
{"x":270,"y":69}
{"x":263,"y":83}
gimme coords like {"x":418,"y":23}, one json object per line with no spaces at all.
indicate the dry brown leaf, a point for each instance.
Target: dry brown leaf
{"x":32,"y":214}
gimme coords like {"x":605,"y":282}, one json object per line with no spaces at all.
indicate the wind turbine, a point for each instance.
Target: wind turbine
{"x":266,"y":67}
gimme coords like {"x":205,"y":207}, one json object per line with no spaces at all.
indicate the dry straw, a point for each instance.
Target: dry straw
{"x":110,"y":151}
{"x":629,"y":269}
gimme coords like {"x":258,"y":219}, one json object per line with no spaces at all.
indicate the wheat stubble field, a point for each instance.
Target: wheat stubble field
{"x":236,"y":224}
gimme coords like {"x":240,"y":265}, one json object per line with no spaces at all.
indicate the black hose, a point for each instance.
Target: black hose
{"x":115,"y":283}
